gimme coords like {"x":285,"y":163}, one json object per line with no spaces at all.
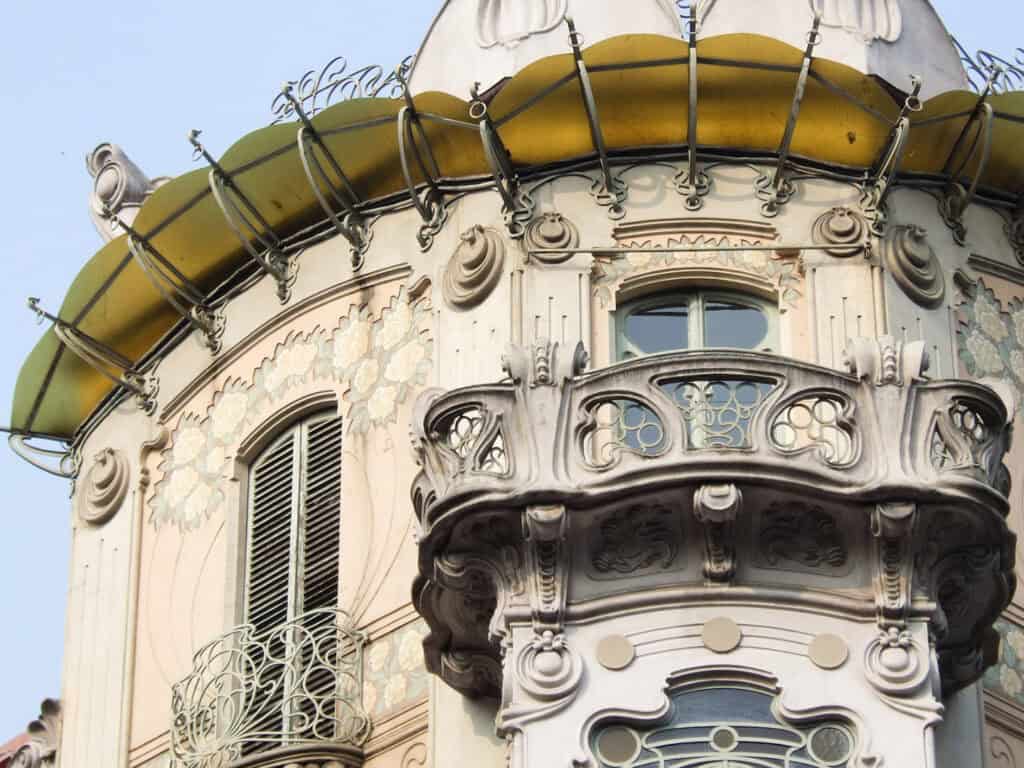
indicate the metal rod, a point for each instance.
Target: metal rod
{"x":887,"y":165}
{"x":351,"y":225}
{"x":696,"y":182}
{"x":272,"y":259}
{"x":506,"y":180}
{"x":593,"y":119}
{"x":978,"y":105}
{"x":98,"y":356}
{"x":65,"y":465}
{"x":813,"y":38}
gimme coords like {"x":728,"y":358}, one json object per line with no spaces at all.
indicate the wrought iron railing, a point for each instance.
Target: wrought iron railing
{"x":334,"y":82}
{"x":983,"y":66}
{"x":249,"y":692}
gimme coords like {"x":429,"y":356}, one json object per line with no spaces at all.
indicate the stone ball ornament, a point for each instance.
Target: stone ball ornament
{"x":914,"y":265}
{"x":894,"y":663}
{"x":548,"y":669}
{"x":551,"y":231}
{"x":104,"y":488}
{"x":475,"y":268}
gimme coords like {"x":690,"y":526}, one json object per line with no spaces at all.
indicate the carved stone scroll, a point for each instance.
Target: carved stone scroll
{"x":475,"y":268}
{"x":716,"y":508}
{"x":104,"y":487}
{"x":509,"y":22}
{"x":914,"y":266}
{"x":44,"y":739}
{"x":119,"y":188}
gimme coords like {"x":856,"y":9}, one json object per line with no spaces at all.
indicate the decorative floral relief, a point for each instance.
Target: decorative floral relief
{"x":1006,"y":677}
{"x":395,"y":675}
{"x":783,"y":272}
{"x":991,"y":339}
{"x":381,"y":359}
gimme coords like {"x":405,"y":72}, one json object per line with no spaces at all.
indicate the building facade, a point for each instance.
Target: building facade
{"x":707,"y":332}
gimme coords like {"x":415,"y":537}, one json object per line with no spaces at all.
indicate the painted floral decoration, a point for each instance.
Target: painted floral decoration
{"x":992,"y":340}
{"x":380,"y":361}
{"x":783,"y":272}
{"x":1007,"y":676}
{"x":395,"y":676}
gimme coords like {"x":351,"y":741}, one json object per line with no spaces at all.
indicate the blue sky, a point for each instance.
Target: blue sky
{"x":141,"y":75}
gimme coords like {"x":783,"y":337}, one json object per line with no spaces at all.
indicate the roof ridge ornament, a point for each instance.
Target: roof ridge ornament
{"x":869,"y":19}
{"x":510,"y":22}
{"x":119,"y":187}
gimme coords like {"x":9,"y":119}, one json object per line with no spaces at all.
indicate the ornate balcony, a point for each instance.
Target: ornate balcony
{"x":291,"y":695}
{"x":562,"y":496}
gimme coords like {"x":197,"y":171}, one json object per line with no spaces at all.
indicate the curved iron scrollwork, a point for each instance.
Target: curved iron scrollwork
{"x":821,"y":423}
{"x":1005,"y":75}
{"x":300,"y":683}
{"x":334,"y":82}
{"x":718,"y":413}
{"x":620,"y":425}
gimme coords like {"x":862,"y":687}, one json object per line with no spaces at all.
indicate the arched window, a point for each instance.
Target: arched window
{"x":694,"y":319}
{"x":292,"y":584}
{"x":294,"y":524}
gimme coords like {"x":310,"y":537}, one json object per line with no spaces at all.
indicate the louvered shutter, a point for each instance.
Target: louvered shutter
{"x":318,"y":589}
{"x":272,"y":510}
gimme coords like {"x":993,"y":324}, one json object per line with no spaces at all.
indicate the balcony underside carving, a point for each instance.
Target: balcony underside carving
{"x":611,"y":496}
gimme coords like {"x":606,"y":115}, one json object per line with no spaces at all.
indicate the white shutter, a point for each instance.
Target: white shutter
{"x":271,"y":511}
{"x":321,"y":505}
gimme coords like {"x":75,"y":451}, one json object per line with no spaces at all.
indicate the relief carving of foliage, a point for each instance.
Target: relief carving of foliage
{"x":783,"y":272}
{"x":991,"y":338}
{"x":395,"y":675}
{"x":380,"y":360}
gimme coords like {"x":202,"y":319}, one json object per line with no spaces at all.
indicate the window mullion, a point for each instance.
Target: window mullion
{"x":295,"y":529}
{"x":696,"y":308}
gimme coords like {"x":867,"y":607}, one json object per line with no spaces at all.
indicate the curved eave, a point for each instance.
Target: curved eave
{"x":746,"y":86}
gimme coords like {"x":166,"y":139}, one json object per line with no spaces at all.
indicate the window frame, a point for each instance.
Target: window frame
{"x":696,"y":298}
{"x":297,"y":430}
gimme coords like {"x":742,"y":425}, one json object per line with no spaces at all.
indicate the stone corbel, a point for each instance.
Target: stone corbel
{"x":886,"y":361}
{"x":44,"y":739}
{"x":892,"y":526}
{"x":716,"y":507}
{"x":545,"y":530}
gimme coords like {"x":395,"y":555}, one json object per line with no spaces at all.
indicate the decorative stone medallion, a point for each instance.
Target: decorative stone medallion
{"x":509,"y":22}
{"x":551,"y":230}
{"x":841,"y":228}
{"x":914,"y":265}
{"x":721,"y":635}
{"x":104,"y":488}
{"x":828,"y":651}
{"x":615,"y":652}
{"x":474,"y":269}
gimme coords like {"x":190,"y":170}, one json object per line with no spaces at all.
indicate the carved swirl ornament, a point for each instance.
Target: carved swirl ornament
{"x":474,"y":269}
{"x":508,"y":23}
{"x":895,"y":663}
{"x":914,"y":265}
{"x":548,"y":231}
{"x":841,"y":228}
{"x":105,"y":486}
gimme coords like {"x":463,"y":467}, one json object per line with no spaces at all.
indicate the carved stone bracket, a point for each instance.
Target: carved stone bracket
{"x":716,"y":508}
{"x":885,"y":360}
{"x":913,"y":264}
{"x":892,"y":525}
{"x":44,"y":739}
{"x":545,"y":530}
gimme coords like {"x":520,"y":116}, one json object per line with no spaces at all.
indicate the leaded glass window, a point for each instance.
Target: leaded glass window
{"x":726,"y":727}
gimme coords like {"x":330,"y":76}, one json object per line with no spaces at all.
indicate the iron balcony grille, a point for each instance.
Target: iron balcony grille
{"x":298,"y":684}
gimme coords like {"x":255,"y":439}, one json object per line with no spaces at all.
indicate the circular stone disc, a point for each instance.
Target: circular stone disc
{"x":615,"y":652}
{"x":828,"y":651}
{"x":722,"y":635}
{"x":618,"y":745}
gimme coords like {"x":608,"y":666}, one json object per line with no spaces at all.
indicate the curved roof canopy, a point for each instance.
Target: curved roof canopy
{"x":746,"y":85}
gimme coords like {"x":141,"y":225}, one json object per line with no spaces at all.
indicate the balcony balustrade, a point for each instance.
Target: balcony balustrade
{"x":289,"y":695}
{"x":884,"y":488}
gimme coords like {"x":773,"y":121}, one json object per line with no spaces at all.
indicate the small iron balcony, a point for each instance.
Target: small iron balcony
{"x":289,"y":695}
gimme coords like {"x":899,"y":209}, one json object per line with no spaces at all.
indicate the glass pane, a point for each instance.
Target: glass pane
{"x":658,"y":329}
{"x":734,"y":325}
